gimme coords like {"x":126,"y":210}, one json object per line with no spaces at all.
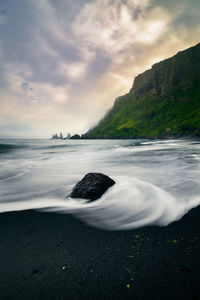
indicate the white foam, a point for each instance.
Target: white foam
{"x":129,"y":204}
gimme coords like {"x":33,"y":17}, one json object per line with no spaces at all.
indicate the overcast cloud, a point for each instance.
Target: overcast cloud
{"x":63,"y":62}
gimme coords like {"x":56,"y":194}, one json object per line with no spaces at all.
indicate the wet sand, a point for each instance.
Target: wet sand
{"x":52,"y":256}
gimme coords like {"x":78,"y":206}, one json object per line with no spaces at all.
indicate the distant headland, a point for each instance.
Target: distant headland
{"x":162,"y":103}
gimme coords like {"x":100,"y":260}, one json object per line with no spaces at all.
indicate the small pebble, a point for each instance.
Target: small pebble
{"x":35,"y":271}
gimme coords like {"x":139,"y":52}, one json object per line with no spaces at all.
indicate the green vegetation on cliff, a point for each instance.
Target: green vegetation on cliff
{"x":164,"y":101}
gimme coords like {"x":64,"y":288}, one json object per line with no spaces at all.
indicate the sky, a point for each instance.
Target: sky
{"x":63,"y":62}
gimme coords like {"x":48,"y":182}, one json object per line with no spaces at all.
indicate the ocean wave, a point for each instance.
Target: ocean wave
{"x":5,"y":147}
{"x":7,"y":177}
{"x":129,"y":204}
{"x":59,"y":146}
{"x":9,"y":147}
{"x":133,"y":203}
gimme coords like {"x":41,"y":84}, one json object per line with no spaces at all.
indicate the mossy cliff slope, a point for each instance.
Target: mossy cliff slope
{"x":164,"y":101}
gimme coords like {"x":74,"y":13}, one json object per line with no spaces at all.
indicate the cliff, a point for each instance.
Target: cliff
{"x":163,"y":101}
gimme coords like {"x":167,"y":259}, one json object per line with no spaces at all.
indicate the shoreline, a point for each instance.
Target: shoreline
{"x":57,"y":256}
{"x":187,"y":137}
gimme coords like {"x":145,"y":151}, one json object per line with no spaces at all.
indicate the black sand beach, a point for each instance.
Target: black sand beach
{"x":52,"y":256}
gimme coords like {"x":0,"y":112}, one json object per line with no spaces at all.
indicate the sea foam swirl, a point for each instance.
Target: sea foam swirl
{"x":161,"y":182}
{"x":129,"y":204}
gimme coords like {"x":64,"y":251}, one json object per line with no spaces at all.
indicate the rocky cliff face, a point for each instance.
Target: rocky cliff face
{"x":163,"y":101}
{"x":181,"y":71}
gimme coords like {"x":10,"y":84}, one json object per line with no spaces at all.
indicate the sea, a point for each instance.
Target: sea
{"x":157,"y":181}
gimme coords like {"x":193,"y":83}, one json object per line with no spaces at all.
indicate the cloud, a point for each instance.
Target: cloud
{"x":73,"y":70}
{"x":63,"y":62}
{"x":3,"y":17}
{"x":112,"y":26}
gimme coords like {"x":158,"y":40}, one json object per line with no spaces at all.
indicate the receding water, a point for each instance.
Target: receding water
{"x":157,"y":182}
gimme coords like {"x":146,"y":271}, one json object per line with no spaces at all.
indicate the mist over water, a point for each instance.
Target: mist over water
{"x":157,"y":182}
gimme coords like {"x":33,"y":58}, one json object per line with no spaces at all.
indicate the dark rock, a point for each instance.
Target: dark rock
{"x":92,"y":186}
{"x":187,"y":269}
{"x":75,"y":137}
